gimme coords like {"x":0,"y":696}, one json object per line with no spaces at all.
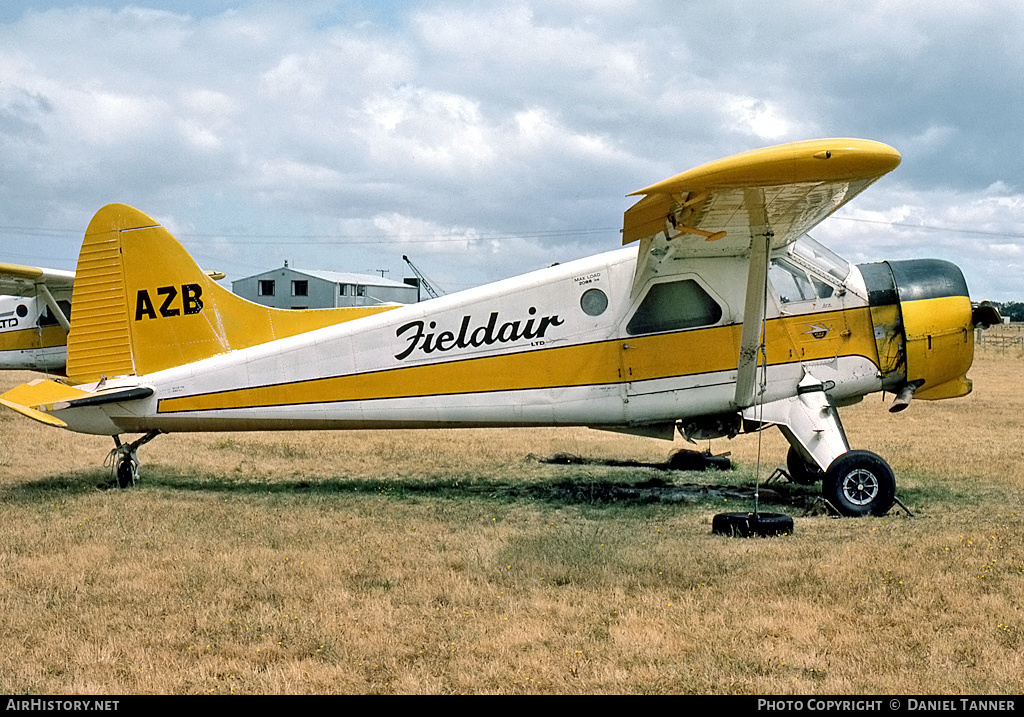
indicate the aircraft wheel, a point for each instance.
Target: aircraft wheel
{"x":745,"y":525}
{"x":127,"y":472}
{"x":800,"y":470}
{"x":860,"y":483}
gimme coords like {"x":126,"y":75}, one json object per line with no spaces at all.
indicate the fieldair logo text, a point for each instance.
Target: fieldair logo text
{"x":416,"y":333}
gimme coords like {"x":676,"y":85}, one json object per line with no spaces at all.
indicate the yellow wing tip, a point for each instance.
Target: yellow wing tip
{"x":20,"y":272}
{"x":805,"y":161}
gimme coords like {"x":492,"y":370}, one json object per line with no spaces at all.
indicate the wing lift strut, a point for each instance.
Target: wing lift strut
{"x":750,"y":391}
{"x":43,"y":292}
{"x":854,"y":482}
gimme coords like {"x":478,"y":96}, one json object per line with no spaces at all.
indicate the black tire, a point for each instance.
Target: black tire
{"x":860,"y":483}
{"x":125,"y":473}
{"x":800,"y":470}
{"x":745,"y":525}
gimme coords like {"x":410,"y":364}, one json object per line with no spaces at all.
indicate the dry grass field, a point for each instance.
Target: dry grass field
{"x":455,"y":561}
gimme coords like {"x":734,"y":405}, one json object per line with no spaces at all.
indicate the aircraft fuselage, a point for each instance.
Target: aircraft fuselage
{"x":30,"y":339}
{"x":566,"y":345}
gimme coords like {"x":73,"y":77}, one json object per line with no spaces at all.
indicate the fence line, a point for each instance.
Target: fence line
{"x":1002,"y":337}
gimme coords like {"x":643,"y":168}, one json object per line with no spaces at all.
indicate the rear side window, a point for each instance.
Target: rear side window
{"x":672,"y":306}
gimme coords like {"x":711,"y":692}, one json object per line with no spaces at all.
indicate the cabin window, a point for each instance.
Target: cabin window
{"x":300,"y":287}
{"x":672,"y":306}
{"x":593,"y":302}
{"x":266,"y":287}
{"x":822,"y":258}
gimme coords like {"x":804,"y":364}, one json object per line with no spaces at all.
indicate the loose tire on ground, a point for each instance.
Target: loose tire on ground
{"x":860,"y":483}
{"x":800,"y":470}
{"x":745,"y":525}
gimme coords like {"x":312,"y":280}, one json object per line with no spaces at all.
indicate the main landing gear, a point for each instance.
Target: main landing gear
{"x":123,"y":460}
{"x":860,"y":483}
{"x":856,"y":483}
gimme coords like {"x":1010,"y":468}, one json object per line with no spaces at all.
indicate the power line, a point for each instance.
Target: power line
{"x":933,"y":228}
{"x":373,"y":239}
{"x":328,"y":239}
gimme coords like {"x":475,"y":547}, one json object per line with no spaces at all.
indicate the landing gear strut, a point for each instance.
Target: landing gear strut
{"x":123,"y":461}
{"x":855,"y":483}
{"x":800,"y":470}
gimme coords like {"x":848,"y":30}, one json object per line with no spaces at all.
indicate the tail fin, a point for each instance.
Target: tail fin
{"x":141,"y":304}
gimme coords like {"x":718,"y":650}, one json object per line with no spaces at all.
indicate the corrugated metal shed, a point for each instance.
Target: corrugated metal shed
{"x":290,"y":288}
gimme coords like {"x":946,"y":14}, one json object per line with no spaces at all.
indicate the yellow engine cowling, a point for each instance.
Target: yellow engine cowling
{"x":923,"y":326}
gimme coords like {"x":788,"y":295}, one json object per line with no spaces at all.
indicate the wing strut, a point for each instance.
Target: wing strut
{"x":51,"y":303}
{"x":751,"y":340}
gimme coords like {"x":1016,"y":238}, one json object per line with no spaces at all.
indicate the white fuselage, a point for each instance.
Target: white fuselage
{"x":29,"y":339}
{"x":528,"y":351}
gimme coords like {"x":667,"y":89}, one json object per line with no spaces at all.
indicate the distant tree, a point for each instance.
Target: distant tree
{"x":1012,"y":309}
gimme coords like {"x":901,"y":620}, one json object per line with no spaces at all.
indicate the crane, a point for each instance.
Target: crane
{"x":424,"y":282}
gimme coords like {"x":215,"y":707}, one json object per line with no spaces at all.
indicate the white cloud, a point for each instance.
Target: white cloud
{"x":425,"y":236}
{"x":439,"y":131}
{"x":978,"y":231}
{"x":525,"y":121}
{"x":761,"y":118}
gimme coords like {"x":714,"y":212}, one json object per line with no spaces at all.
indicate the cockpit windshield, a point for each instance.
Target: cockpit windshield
{"x":808,"y":272}
{"x":808,"y":249}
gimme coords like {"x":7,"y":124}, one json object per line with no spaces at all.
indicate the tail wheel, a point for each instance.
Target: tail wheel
{"x":126,"y":469}
{"x":860,"y":483}
{"x":800,"y":470}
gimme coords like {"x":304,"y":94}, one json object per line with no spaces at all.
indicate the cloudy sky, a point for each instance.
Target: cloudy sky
{"x":485,"y":139}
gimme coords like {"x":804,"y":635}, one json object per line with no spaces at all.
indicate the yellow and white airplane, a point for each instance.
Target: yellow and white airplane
{"x":34,"y":324}
{"x":727,"y":318}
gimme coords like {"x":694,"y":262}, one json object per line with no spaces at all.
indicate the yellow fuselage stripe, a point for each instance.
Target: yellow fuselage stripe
{"x":677,"y":354}
{"x":33,"y":338}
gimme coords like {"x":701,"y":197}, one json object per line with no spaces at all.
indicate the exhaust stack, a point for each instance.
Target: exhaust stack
{"x":906,"y":393}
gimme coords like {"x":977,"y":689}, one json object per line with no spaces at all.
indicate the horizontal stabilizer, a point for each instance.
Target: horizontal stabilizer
{"x":38,"y":398}
{"x":32,"y":413}
{"x":34,"y":399}
{"x":119,"y":395}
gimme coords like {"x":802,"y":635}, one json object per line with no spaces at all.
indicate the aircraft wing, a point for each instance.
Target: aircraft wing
{"x":778,"y":192}
{"x":749,"y":205}
{"x":17,"y":280}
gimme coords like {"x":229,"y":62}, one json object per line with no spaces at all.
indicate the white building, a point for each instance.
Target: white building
{"x":288,"y":288}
